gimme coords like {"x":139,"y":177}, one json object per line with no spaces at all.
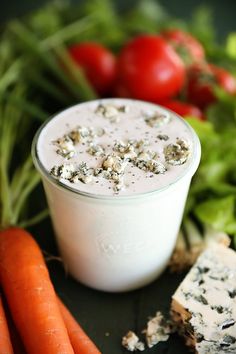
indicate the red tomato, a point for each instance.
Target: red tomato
{"x":184,"y":109}
{"x":188,"y":47}
{"x":98,"y":63}
{"x":201,"y":81}
{"x":149,"y":69}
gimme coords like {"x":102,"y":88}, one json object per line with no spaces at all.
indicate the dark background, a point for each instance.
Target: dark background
{"x":107,"y":317}
{"x":224,"y":11}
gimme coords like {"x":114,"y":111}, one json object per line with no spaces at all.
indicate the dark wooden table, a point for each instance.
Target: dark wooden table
{"x":107,"y":317}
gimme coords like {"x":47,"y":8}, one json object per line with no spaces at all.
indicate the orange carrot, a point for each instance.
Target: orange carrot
{"x":81,"y":343}
{"x":17,"y":344}
{"x":18,"y":347}
{"x":30,"y":295}
{"x":5,"y":340}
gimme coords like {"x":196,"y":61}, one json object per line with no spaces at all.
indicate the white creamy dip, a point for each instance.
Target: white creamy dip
{"x":125,"y":146}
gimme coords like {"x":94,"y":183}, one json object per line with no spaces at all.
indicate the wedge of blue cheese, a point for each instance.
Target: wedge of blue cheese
{"x":204,"y":305}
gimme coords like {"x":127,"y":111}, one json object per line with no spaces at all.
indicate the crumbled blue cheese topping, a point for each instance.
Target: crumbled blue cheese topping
{"x":111,"y":112}
{"x":177,"y":154}
{"x":156,"y":119}
{"x":163,"y":137}
{"x":65,"y":147}
{"x":95,"y":150}
{"x":114,"y":158}
{"x":65,"y":171}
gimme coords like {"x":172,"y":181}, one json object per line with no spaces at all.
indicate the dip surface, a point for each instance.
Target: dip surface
{"x":115,"y":147}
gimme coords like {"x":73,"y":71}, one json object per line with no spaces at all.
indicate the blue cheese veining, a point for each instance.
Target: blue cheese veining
{"x":126,"y":147}
{"x":204,"y":305}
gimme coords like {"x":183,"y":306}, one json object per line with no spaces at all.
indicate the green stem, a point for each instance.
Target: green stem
{"x":6,"y":210}
{"x":68,"y":32}
{"x":49,"y":87}
{"x":31,"y":43}
{"x":28,"y":107}
{"x":35,"y":219}
{"x":11,"y":75}
{"x":13,"y":195}
{"x":19,"y":179}
{"x":85,"y":90}
{"x":23,"y":196}
{"x":8,"y":131}
{"x":10,"y":119}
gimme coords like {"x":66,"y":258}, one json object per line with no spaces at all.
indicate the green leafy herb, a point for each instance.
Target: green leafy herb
{"x":219,"y":213}
{"x":213,"y":192}
{"x":231,"y":45}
